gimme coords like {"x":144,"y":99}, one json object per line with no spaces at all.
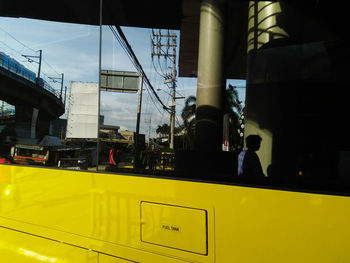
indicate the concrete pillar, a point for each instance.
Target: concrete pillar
{"x":210,"y":84}
{"x":31,"y":123}
{"x":23,"y":121}
{"x":34,"y":123}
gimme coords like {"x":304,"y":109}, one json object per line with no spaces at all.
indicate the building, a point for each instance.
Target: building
{"x":130,"y":136}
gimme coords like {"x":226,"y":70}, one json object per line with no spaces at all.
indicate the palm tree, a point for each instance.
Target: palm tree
{"x":232,"y":107}
{"x":163,"y":130}
{"x":188,"y":117}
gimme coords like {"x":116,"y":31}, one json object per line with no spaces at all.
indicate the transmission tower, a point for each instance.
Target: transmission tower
{"x":164,"y":46}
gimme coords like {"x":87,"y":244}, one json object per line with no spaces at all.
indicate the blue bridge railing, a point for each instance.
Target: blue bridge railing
{"x":15,"y":67}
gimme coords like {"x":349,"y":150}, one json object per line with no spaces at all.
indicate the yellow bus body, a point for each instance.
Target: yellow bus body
{"x":50,"y":215}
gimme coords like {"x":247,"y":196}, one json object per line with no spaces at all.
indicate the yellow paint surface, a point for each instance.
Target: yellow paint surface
{"x":102,"y":213}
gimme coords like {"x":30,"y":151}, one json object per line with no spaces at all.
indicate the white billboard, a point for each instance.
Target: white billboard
{"x":83,"y":110}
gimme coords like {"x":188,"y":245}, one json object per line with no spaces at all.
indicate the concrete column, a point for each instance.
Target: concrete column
{"x":210,"y":84}
{"x":31,"y":123}
{"x":34,"y":123}
{"x":23,"y":121}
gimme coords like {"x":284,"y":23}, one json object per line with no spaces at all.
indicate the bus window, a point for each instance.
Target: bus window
{"x":283,"y":78}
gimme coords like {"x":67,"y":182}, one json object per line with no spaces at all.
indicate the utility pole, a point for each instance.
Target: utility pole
{"x":149,"y":133}
{"x":167,"y":49}
{"x":149,"y":122}
{"x":30,"y":59}
{"x":61,"y":86}
{"x":39,"y":70}
{"x":172,"y":118}
{"x":65,"y":97}
{"x":137,"y":148}
{"x":59,"y":80}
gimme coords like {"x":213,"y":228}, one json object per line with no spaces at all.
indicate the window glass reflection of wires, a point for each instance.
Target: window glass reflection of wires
{"x":119,"y":35}
{"x":163,"y":50}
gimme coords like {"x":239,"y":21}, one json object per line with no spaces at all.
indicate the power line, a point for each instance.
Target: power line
{"x":133,"y":61}
{"x":126,"y":46}
{"x":29,"y":59}
{"x":157,"y":50}
{"x":51,"y":67}
{"x":17,"y":39}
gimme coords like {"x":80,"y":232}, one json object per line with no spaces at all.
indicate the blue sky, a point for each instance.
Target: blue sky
{"x":73,"y":49}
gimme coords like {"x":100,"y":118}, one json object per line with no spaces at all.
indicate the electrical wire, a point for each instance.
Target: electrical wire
{"x":159,"y":49}
{"x":155,"y":68}
{"x":117,"y":31}
{"x":124,"y":46}
{"x":26,"y":48}
{"x":50,"y":67}
{"x":133,"y":61}
{"x":17,"y":40}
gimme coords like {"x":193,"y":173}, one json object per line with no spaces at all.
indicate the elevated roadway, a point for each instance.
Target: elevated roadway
{"x":17,"y":90}
{"x":35,"y":106}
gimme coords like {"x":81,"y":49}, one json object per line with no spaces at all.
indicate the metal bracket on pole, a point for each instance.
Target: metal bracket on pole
{"x":29,"y":58}
{"x":60,"y":80}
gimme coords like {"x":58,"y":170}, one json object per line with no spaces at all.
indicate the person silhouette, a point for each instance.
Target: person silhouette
{"x":249,"y":165}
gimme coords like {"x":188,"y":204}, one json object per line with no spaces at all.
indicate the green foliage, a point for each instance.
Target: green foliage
{"x":232,"y":107}
{"x":188,"y":116}
{"x":163,"y":130}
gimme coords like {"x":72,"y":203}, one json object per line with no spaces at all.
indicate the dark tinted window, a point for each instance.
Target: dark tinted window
{"x":286,"y":68}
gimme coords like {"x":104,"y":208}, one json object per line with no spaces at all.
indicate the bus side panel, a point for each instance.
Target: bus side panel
{"x":103,"y":212}
{"x":109,"y":259}
{"x":21,"y":247}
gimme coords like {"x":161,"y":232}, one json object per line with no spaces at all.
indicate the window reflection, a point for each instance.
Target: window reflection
{"x":294,"y":98}
{"x":36,"y":68}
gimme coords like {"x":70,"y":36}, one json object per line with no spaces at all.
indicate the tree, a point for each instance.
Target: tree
{"x":232,"y":107}
{"x":163,"y":130}
{"x":188,"y":117}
